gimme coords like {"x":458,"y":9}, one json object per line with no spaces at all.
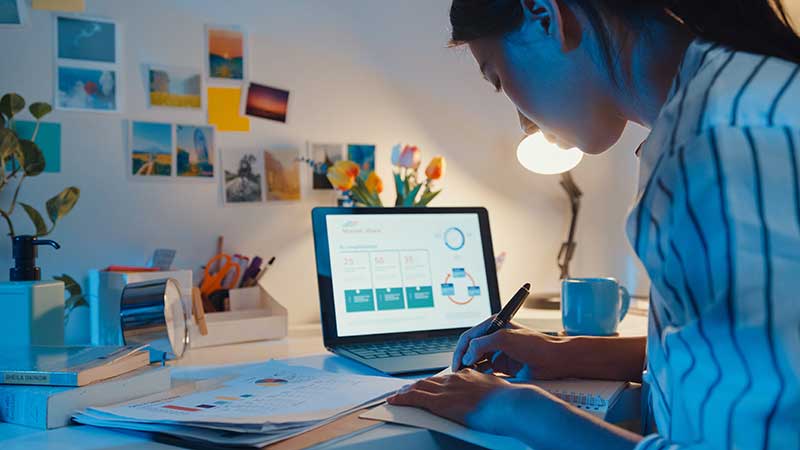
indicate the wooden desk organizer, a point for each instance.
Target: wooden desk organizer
{"x":254,"y":316}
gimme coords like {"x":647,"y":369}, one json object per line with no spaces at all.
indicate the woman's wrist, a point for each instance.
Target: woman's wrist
{"x":611,"y":358}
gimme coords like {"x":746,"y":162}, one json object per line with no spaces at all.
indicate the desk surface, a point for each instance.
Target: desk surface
{"x":302,"y":347}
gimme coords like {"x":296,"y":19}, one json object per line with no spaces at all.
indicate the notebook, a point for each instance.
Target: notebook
{"x":593,"y":396}
{"x":68,"y":365}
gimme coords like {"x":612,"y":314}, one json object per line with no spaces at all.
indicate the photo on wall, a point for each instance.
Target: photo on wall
{"x":11,"y":13}
{"x":324,"y":155}
{"x":151,"y":148}
{"x":266,"y":102}
{"x":93,"y":40}
{"x":86,"y":89}
{"x":194,"y":151}
{"x":174,"y":87}
{"x":282,"y":169}
{"x":244,"y":174}
{"x":226,"y":52}
{"x":363,"y":155}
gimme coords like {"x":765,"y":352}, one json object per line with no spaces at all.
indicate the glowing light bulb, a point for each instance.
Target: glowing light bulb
{"x":538,"y":155}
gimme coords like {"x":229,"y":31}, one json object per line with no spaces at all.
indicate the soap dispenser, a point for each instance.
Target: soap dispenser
{"x":31,"y":310}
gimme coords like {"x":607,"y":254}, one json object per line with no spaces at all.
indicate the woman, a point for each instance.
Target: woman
{"x":716,"y":222}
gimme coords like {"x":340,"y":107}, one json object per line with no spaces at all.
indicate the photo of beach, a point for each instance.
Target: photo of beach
{"x":151,"y":149}
{"x":243,"y":174}
{"x":195,"y":151}
{"x":86,"y":89}
{"x":282,"y":167}
{"x":267,"y":102}
{"x":175,"y":87}
{"x":225,"y":53}
{"x":86,"y":40}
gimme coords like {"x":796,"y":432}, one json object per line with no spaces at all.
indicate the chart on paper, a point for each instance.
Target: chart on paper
{"x":407,"y":272}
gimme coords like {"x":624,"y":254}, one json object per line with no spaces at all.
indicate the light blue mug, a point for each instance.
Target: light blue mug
{"x":593,"y":306}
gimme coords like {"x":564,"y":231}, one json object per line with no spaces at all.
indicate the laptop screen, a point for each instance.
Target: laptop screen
{"x":394,"y":273}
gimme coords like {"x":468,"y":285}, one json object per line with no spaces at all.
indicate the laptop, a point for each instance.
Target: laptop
{"x":398,"y":286}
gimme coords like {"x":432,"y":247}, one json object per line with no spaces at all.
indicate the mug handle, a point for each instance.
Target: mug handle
{"x":626,"y":302}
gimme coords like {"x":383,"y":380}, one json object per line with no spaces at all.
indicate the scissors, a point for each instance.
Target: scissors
{"x":216,"y":281}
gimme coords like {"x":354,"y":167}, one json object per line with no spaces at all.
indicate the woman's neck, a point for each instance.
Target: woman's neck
{"x":654,"y":57}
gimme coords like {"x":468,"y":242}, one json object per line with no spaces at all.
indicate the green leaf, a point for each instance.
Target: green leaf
{"x":427,"y":197}
{"x":40,"y":109}
{"x":70,"y":285}
{"x":398,"y":185}
{"x":36,"y":218}
{"x":412,"y":196}
{"x":61,"y":204}
{"x":11,"y":104}
{"x":9,"y":144}
{"x":32,"y":158}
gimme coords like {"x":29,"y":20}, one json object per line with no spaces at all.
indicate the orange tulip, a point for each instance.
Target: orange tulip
{"x":435,"y":168}
{"x":342,"y":174}
{"x":374,"y":184}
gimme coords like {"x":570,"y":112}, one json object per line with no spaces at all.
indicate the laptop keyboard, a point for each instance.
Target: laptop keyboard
{"x":391,"y":349}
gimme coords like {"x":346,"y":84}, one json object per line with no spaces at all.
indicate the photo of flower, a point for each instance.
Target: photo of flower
{"x":175,"y":87}
{"x":151,"y":148}
{"x":195,"y":151}
{"x":86,"y":89}
{"x":225,"y":53}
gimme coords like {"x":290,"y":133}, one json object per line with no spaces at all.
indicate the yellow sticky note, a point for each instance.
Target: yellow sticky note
{"x":223,"y":109}
{"x":60,"y":5}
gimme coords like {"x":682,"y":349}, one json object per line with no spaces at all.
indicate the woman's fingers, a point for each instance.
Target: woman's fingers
{"x":464,"y":340}
{"x":483,"y":345}
{"x":414,"y":397}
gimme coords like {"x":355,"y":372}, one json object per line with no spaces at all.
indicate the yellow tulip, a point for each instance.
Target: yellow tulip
{"x":374,"y":184}
{"x":342,"y":175}
{"x":435,"y":168}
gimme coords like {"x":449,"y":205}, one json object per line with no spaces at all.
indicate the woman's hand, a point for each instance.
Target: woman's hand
{"x":514,"y":351}
{"x":454,"y":396}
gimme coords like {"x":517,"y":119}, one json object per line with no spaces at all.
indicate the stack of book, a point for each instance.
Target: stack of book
{"x":43,"y":386}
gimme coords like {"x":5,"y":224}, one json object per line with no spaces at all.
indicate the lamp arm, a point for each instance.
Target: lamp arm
{"x":567,"y":250}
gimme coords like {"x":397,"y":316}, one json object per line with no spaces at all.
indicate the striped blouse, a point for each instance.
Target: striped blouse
{"x":716,"y":224}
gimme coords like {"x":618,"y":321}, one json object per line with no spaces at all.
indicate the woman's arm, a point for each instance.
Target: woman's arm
{"x":605,"y":358}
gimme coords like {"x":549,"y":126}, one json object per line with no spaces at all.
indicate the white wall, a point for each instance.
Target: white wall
{"x":359,"y":71}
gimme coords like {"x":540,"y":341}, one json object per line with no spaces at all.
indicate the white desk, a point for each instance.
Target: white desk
{"x":302,"y":347}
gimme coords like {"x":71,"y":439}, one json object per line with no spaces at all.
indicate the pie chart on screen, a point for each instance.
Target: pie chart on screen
{"x":267,"y":382}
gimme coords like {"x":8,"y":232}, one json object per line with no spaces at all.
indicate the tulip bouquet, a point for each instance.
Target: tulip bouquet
{"x":364,"y":189}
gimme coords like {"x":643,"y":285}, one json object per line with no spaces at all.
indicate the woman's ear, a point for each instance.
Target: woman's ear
{"x":544,"y":18}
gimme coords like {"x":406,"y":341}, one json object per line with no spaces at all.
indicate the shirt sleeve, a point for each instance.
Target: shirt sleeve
{"x":735,"y":229}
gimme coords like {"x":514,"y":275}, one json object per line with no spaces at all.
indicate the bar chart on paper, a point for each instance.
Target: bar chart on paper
{"x":406,"y":273}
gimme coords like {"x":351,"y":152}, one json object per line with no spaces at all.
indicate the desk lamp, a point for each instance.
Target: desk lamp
{"x":538,"y":155}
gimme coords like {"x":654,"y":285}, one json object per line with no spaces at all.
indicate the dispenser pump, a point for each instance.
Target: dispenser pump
{"x":24,"y":250}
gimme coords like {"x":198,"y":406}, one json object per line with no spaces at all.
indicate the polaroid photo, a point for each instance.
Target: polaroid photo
{"x":266,"y":102}
{"x":150,"y":149}
{"x":194,"y":151}
{"x":226,"y":53}
{"x":324,"y":155}
{"x":243,"y":176}
{"x":363,"y":155}
{"x":12,"y":13}
{"x":87,"y":89}
{"x":174,"y":87}
{"x":87,"y":40}
{"x":282,"y":169}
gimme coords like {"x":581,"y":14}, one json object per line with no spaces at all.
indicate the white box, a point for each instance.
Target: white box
{"x":105,"y":292}
{"x":33,"y":312}
{"x":254,"y":316}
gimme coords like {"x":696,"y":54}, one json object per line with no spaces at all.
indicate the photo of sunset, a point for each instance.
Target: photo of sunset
{"x":267,"y":102}
{"x":225,"y":53}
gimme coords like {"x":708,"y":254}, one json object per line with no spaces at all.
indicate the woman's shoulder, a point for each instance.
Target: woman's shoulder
{"x":719,"y":87}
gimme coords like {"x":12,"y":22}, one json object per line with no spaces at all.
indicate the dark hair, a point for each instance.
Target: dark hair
{"x":756,"y":26}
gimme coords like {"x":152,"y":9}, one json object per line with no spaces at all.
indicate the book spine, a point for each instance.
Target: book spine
{"x":38,"y":378}
{"x":23,"y":408}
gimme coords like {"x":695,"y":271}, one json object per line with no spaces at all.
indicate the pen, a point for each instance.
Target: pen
{"x":504,"y":317}
{"x":264,"y":270}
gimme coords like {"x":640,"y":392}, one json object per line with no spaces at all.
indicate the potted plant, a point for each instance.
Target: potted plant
{"x":22,"y":158}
